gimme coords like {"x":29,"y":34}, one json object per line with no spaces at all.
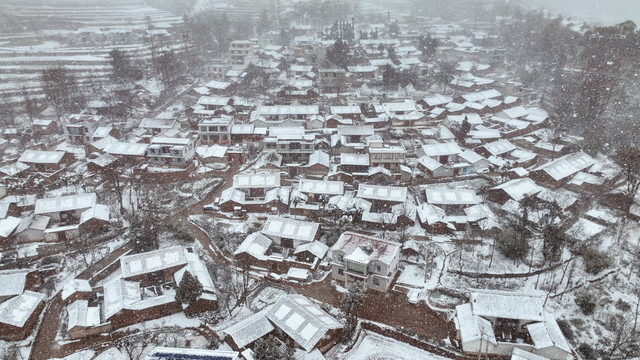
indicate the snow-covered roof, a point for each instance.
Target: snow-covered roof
{"x":301,"y":320}
{"x":213,"y":151}
{"x":319,"y":157}
{"x":473,"y":327}
{"x":198,"y":269}
{"x":376,"y":248}
{"x":567,"y":165}
{"x":41,"y":157}
{"x":262,"y":180}
{"x":119,"y":294}
{"x":17,"y":310}
{"x":316,"y":248}
{"x":214,"y":100}
{"x":8,"y":225}
{"x":126,"y":149}
{"x":149,"y":123}
{"x":470,"y":157}
{"x":219,"y":85}
{"x":437,"y":100}
{"x":499,"y":147}
{"x":287,"y":110}
{"x":255,"y":244}
{"x":429,"y":163}
{"x":507,"y":305}
{"x":250,"y":329}
{"x":82,"y":315}
{"x":14,"y":168}
{"x":404,"y":106}
{"x":98,"y":211}
{"x":74,"y":286}
{"x":65,"y":203}
{"x":342,"y":110}
{"x":355,"y":130}
{"x":290,"y":228}
{"x":143,"y":263}
{"x":519,"y":354}
{"x":440,"y":149}
{"x":12,"y":282}
{"x":430,"y":214}
{"x":298,"y":273}
{"x":547,"y":334}
{"x":321,"y":187}
{"x":452,"y":197}
{"x":354,"y":159}
{"x":584,"y":229}
{"x":519,"y":188}
{"x":384,"y":193}
{"x":481,"y":95}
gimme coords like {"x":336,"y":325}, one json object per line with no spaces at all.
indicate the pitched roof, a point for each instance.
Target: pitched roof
{"x":382,"y":250}
{"x":452,"y":197}
{"x":16,"y":311}
{"x":151,"y":261}
{"x":41,"y":157}
{"x":507,"y":305}
{"x":301,"y":320}
{"x":290,"y":229}
{"x":384,"y":193}
{"x":321,"y":187}
{"x":250,"y":329}
{"x":65,"y":203}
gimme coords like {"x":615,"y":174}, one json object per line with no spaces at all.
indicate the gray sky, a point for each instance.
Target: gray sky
{"x":606,"y":12}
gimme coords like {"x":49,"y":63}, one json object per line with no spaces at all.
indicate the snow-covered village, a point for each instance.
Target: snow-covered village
{"x":318,"y":179}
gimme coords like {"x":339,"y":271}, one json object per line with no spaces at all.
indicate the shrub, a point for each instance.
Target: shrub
{"x":587,"y":351}
{"x":586,"y":301}
{"x":596,"y":260}
{"x":514,"y":245}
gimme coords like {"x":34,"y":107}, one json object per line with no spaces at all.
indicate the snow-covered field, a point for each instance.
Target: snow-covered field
{"x":375,"y":346}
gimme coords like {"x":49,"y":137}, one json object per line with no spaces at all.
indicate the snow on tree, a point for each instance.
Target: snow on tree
{"x":350,"y":304}
{"x":270,"y":348}
{"x":189,"y":289}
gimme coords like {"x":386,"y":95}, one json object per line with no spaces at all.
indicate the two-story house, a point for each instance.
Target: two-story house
{"x":388,"y":156}
{"x":171,"y":151}
{"x":79,"y":128}
{"x":291,"y":142}
{"x":215,"y":130}
{"x":358,"y":258}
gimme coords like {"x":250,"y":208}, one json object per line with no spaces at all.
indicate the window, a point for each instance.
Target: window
{"x":377,"y":268}
{"x":376,"y":281}
{"x":341,"y":272}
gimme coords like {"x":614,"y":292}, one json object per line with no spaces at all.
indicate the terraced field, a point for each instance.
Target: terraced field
{"x":76,"y":34}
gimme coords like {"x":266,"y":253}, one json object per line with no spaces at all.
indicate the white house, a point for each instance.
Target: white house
{"x":366,"y":259}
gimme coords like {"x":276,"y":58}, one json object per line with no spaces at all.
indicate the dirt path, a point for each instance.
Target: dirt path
{"x":44,"y":344}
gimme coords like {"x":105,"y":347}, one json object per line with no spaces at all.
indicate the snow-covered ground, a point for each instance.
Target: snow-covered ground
{"x":375,"y":346}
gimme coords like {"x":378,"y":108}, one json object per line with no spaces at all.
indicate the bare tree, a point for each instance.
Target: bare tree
{"x":628,"y":158}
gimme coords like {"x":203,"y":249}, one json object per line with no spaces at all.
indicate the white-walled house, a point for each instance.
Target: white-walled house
{"x":361,"y":258}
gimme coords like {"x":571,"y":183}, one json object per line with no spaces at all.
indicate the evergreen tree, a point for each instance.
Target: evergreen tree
{"x":122,"y":69}
{"x":339,"y":54}
{"x":269,"y":348}
{"x":350,"y":304}
{"x":143,"y":234}
{"x":189,"y":289}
